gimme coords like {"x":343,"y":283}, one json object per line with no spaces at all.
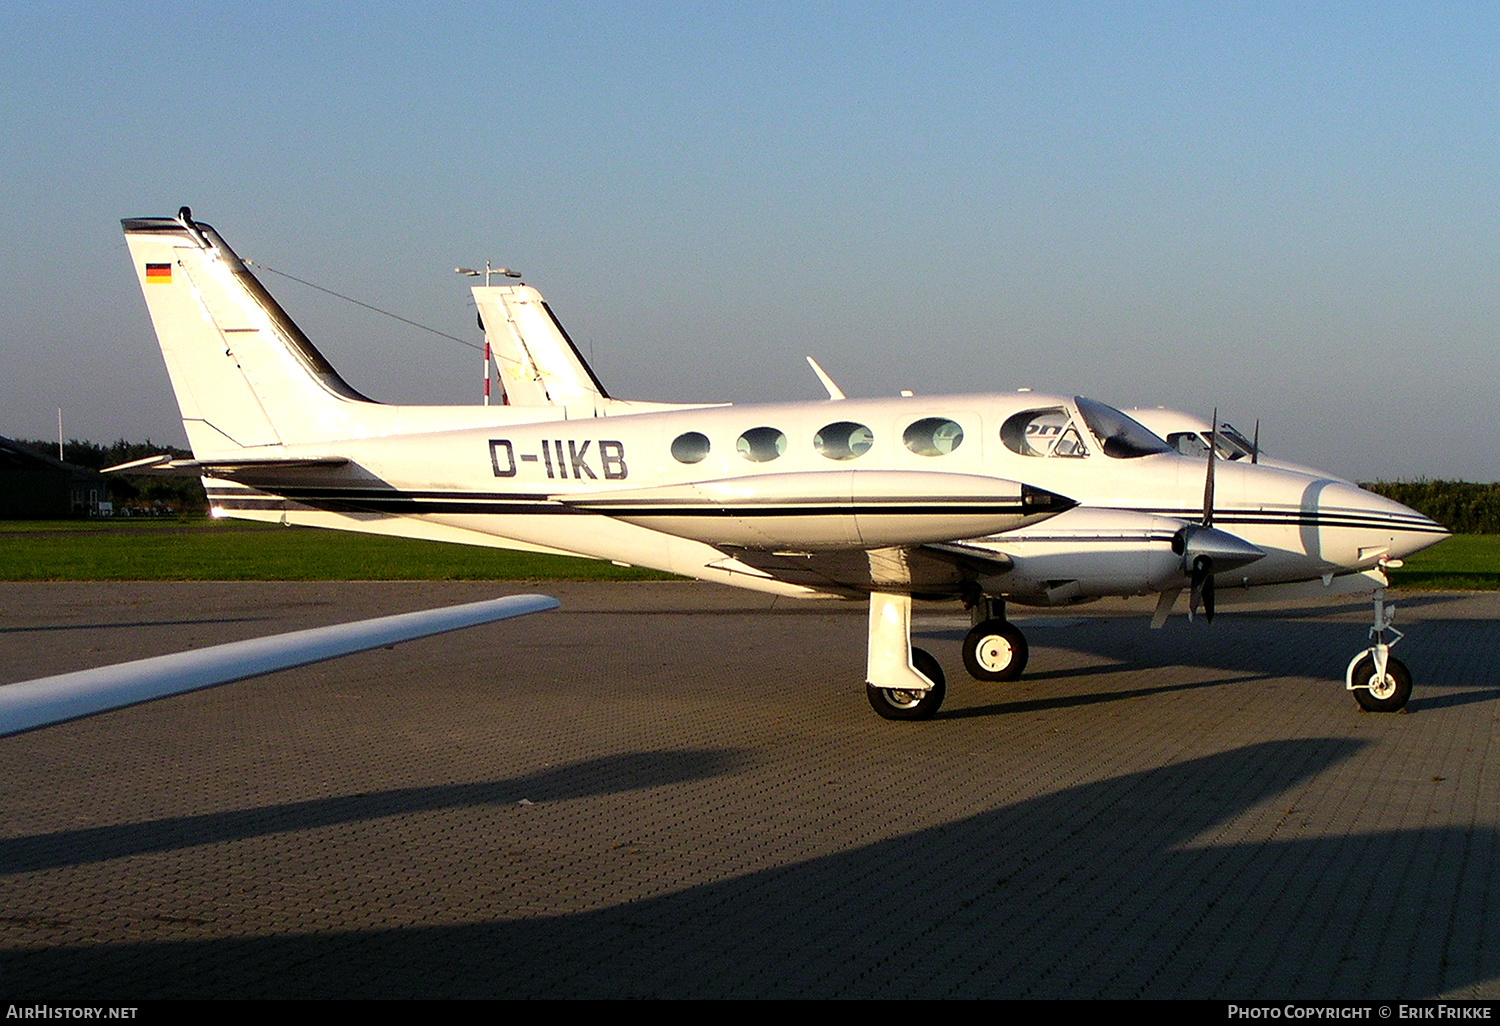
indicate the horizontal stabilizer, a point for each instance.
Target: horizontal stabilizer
{"x":70,"y":696}
{"x":170,"y":466}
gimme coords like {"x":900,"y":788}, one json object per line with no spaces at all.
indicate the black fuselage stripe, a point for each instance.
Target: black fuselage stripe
{"x":429,"y":501}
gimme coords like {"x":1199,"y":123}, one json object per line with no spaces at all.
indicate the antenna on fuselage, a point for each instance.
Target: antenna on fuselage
{"x":834,"y":392}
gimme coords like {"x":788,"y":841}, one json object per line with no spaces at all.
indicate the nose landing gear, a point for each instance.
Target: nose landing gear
{"x":1380,"y":681}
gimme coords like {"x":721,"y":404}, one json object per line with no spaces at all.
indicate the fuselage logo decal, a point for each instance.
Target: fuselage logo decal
{"x":562,"y":462}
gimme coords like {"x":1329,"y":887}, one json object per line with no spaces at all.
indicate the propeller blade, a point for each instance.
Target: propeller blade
{"x":1164,"y":606}
{"x":1202,"y":588}
{"x":1255,"y":443}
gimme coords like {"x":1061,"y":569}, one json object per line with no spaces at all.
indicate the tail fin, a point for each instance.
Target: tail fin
{"x":539,"y":364}
{"x":244,"y":374}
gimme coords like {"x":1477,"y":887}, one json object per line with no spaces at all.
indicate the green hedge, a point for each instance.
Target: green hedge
{"x":1460,"y":506}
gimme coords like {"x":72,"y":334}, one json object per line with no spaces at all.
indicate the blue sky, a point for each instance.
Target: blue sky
{"x":1287,"y":211}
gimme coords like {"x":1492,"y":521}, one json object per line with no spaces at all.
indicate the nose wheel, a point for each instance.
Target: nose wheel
{"x":1377,"y":691}
{"x":1380,"y":681}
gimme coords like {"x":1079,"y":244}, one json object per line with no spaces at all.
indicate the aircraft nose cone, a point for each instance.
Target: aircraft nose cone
{"x":1372,"y":526}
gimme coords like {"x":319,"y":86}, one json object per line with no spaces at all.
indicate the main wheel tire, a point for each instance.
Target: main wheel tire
{"x":896,"y":704}
{"x":995,"y":650}
{"x":1388,"y":695}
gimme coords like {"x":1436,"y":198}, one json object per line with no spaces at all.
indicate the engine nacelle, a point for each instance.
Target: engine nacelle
{"x":830,"y":509}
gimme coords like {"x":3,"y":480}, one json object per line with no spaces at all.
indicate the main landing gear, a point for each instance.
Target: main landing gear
{"x":995,"y":650}
{"x":910,"y":704}
{"x":905,"y":683}
{"x":1380,"y":681}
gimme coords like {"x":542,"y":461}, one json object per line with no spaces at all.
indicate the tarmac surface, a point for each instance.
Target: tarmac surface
{"x":677,"y":790}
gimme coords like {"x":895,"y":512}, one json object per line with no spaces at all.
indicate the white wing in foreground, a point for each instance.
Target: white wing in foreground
{"x":69,"y":696}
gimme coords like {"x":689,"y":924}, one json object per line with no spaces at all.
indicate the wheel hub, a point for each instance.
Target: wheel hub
{"x":995,"y":653}
{"x":1382,"y":686}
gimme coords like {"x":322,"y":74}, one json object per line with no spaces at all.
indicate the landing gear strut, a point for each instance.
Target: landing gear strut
{"x":995,"y":650}
{"x":1380,"y":681}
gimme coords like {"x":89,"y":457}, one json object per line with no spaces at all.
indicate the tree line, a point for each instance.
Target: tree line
{"x":1463,"y":507}
{"x":183,"y":494}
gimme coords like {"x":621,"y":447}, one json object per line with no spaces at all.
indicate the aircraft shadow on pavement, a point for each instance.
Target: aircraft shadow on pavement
{"x":1443,"y":654}
{"x":1107,"y":889}
{"x":609,"y":775}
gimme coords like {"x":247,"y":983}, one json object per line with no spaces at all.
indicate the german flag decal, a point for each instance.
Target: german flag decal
{"x":159,"y":274}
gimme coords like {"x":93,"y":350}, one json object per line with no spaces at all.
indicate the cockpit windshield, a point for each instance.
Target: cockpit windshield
{"x":1238,"y":446}
{"x":1119,"y":436}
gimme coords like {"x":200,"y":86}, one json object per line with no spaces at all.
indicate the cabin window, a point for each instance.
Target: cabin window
{"x":933,"y":436}
{"x":690,"y":447}
{"x":761,"y":444}
{"x":1047,"y":432}
{"x":1119,"y":436}
{"x":843,"y":440}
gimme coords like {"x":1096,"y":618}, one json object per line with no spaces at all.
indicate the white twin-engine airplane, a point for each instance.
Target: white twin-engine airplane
{"x":1028,"y":498}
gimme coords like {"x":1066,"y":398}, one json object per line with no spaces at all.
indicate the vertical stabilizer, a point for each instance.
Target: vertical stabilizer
{"x":539,"y":364}
{"x":245,"y":375}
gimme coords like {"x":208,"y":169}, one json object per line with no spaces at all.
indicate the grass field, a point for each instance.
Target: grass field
{"x":1465,"y":562}
{"x":212,"y":550}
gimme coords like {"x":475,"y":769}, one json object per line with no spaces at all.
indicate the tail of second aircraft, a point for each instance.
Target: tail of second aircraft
{"x":539,"y":364}
{"x":245,"y":375}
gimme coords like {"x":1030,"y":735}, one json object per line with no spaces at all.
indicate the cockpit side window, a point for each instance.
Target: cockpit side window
{"x":1119,"y":436}
{"x":1047,"y":432}
{"x":1233,"y":444}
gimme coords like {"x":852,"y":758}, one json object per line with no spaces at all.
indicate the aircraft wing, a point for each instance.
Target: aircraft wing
{"x":939,"y":568}
{"x":70,"y":696}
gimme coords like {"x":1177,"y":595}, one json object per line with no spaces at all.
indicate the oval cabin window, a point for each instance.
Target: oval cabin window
{"x":761,"y":444}
{"x":843,"y":440}
{"x":933,"y":436}
{"x":690,"y":447}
